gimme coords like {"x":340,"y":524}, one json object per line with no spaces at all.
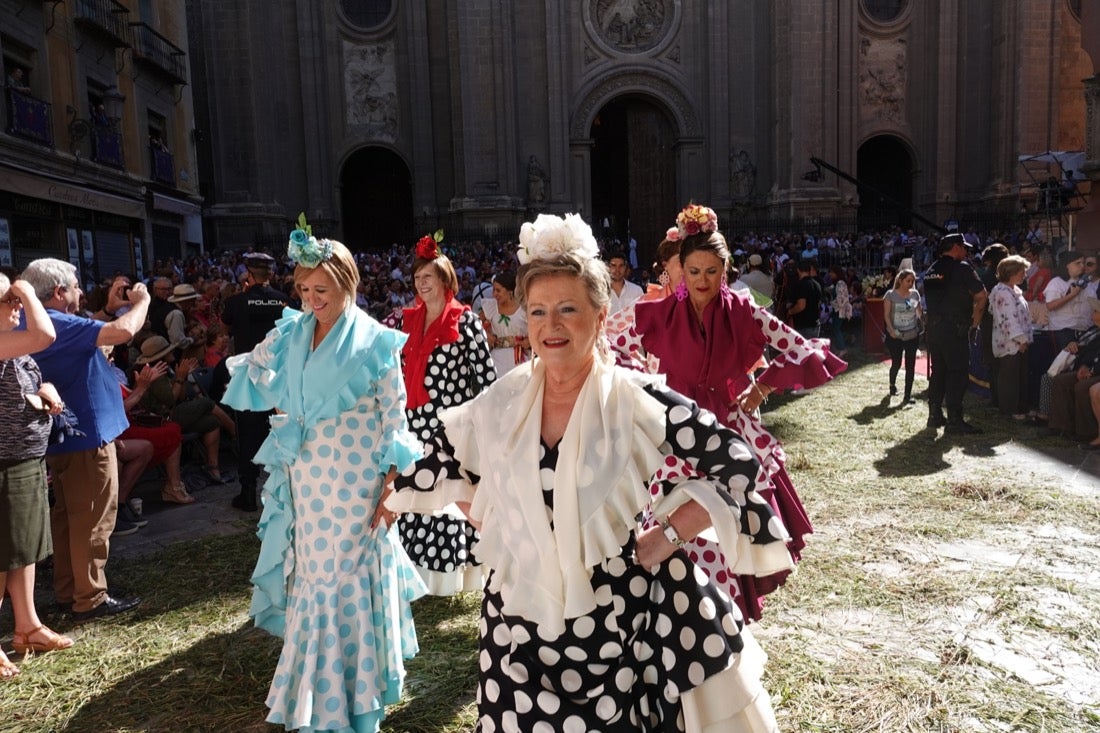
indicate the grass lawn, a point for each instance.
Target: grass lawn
{"x":951,"y":585}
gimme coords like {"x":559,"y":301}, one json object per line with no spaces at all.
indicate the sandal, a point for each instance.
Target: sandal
{"x":176,"y":495}
{"x":23,"y":644}
{"x":7,"y":669}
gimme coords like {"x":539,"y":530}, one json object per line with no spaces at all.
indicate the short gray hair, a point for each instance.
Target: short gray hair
{"x":593,"y":272}
{"x":46,"y":274}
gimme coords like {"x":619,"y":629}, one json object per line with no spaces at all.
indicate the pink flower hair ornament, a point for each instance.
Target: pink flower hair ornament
{"x":694,"y":219}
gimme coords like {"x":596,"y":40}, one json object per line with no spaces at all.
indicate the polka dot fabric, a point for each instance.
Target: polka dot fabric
{"x":440,"y":545}
{"x":796,"y":362}
{"x":622,"y":667}
{"x":349,"y":622}
{"x":652,"y":637}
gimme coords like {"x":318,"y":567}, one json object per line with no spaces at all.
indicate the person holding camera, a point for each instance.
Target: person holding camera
{"x":1070,"y":312}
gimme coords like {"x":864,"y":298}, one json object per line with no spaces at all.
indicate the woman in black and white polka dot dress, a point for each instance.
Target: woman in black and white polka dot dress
{"x":446,"y":362}
{"x":591,"y":622}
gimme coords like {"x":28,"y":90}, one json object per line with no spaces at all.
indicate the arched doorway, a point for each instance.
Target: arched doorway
{"x":633,"y":173}
{"x":884,"y":168}
{"x":376,"y":200}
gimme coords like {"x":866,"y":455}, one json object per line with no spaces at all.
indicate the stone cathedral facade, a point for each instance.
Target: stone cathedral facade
{"x":384,"y":119}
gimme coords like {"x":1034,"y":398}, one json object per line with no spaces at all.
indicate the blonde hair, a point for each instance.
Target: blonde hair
{"x":902,"y":274}
{"x":340,"y":267}
{"x":591,"y":271}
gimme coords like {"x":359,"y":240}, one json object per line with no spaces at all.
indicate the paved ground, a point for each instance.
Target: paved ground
{"x":210,"y":515}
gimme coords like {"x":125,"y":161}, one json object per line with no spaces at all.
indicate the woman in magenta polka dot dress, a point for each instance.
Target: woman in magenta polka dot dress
{"x":709,"y":342}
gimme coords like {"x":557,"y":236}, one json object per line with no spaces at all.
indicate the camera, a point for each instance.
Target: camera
{"x":125,"y":292}
{"x":1081,"y":282}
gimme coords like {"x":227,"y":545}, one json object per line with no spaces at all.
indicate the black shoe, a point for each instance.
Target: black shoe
{"x":126,"y":514}
{"x":62,"y":607}
{"x":936,"y":420}
{"x":893,"y":390}
{"x":110,"y":607}
{"x":961,"y":427}
{"x":245,"y":503}
{"x":123,"y":528}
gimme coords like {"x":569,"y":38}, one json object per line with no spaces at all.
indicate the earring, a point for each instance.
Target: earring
{"x":664,"y":279}
{"x":682,"y":291}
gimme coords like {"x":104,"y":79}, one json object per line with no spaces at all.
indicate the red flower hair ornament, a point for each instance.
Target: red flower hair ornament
{"x":427,"y":247}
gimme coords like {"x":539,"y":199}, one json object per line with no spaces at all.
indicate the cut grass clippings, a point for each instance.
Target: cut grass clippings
{"x":950,"y":586}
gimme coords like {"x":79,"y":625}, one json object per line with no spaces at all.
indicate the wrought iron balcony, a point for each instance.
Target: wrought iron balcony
{"x":108,"y":19}
{"x":158,"y":52}
{"x":164,"y":166}
{"x":107,"y":146}
{"x":30,"y":117}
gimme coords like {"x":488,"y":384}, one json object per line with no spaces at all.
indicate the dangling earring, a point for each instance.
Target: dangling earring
{"x":664,"y":279}
{"x":682,"y":291}
{"x":724,"y":288}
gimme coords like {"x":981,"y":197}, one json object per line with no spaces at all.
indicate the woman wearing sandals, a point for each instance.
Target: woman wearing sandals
{"x":26,"y":406}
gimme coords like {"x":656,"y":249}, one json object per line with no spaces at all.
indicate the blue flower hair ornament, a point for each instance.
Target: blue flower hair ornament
{"x":305,"y":249}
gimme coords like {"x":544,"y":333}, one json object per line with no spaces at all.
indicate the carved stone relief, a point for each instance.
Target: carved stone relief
{"x":883,"y":72}
{"x":632,"y":26}
{"x":370,"y":88}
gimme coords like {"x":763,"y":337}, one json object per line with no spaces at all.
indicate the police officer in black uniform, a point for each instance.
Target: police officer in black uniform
{"x":249,"y":315}
{"x":956,"y":300}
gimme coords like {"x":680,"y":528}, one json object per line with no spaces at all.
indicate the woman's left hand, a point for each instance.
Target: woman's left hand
{"x":752,"y":397}
{"x":381,"y":513}
{"x":651,"y":548}
{"x":49,"y":395}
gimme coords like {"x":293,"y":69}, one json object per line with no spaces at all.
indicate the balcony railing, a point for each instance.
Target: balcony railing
{"x":106,"y":18}
{"x":107,"y":146}
{"x":157,"y":51}
{"x":164,"y":167}
{"x":29,"y":117}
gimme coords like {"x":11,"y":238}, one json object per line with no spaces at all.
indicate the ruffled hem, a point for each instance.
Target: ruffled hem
{"x":343,"y":662}
{"x":465,"y":579}
{"x":733,"y":701}
{"x":811,"y":371}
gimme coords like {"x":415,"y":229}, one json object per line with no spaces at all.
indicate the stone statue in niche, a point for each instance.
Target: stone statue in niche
{"x":882,"y":78}
{"x":742,"y":177}
{"x":536,"y":182}
{"x":632,"y":25}
{"x":370,"y":88}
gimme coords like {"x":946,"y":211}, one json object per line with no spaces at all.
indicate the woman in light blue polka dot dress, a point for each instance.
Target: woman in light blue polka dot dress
{"x":332,"y":577}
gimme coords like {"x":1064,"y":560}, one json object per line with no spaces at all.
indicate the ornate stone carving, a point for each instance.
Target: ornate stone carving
{"x":883,"y":71}
{"x":742,"y":177}
{"x":652,"y":85}
{"x":632,"y":26}
{"x":590,"y":56}
{"x":536,"y":183}
{"x":370,"y":89}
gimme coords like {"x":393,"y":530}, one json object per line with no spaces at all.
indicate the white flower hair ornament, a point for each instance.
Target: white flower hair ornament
{"x":549,"y":236}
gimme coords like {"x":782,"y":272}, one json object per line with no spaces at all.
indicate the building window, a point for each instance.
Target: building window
{"x":367,"y":14}
{"x":884,"y":11}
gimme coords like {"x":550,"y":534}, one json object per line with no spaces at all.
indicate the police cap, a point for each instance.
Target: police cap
{"x":259,"y":259}
{"x":950,"y":240}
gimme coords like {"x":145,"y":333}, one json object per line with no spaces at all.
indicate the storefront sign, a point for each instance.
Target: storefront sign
{"x":65,"y":193}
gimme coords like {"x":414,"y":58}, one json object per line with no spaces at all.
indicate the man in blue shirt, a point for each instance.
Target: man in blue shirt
{"x":84,"y":469}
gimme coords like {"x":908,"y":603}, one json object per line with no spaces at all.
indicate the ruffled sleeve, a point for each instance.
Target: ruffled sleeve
{"x":801,"y":363}
{"x":750,"y":535}
{"x":257,"y":378}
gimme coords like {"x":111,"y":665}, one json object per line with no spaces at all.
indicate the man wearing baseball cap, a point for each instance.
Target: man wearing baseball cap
{"x":956,"y":300}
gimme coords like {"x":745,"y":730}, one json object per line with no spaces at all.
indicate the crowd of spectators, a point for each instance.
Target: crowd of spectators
{"x":189,"y":294}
